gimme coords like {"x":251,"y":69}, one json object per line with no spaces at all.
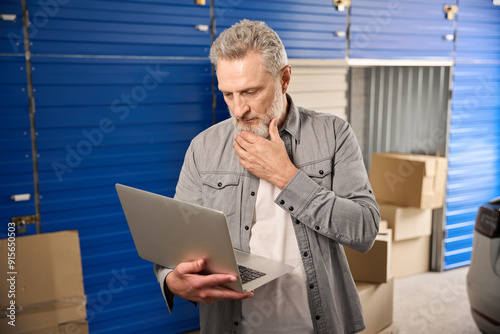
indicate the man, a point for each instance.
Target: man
{"x":294,"y":189}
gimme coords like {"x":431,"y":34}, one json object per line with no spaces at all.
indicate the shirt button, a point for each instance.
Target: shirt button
{"x":247,"y":228}
{"x":236,"y":323}
{"x":311,"y":286}
{"x":321,"y":172}
{"x":219,"y":184}
{"x":297,"y":221}
{"x":318,"y":317}
{"x":305,"y":254}
{"x":290,"y":208}
{"x":252,"y":193}
{"x":282,"y":202}
{"x":316,"y":227}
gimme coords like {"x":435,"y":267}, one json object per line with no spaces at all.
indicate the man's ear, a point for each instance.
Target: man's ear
{"x":286,"y":74}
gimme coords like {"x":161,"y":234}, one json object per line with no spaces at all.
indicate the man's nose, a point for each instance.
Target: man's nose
{"x":240,"y":106}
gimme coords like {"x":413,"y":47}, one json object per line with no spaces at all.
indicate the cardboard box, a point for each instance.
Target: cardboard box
{"x":383,"y":225}
{"x":374,"y":265}
{"x":74,"y":328}
{"x":408,"y":179}
{"x":410,"y":257}
{"x":80,"y":327}
{"x":46,"y":283}
{"x":406,"y":222}
{"x":48,"y":268}
{"x":46,"y":319}
{"x":377,"y":304}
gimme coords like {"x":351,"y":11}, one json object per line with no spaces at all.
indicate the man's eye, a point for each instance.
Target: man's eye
{"x":227,"y":94}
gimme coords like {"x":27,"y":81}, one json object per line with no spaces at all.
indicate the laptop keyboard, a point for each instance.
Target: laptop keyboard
{"x":249,"y":274}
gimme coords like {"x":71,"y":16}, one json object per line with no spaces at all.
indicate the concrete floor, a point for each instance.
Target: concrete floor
{"x":431,"y":303}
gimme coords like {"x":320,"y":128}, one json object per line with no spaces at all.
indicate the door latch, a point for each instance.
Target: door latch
{"x":450,"y":11}
{"x":22,"y":221}
{"x":341,"y":4}
{"x":8,"y":17}
{"x":202,"y":27}
{"x":20,"y":197}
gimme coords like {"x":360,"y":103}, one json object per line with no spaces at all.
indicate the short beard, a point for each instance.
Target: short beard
{"x":275,"y":111}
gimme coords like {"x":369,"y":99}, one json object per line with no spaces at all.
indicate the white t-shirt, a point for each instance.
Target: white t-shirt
{"x":281,"y":305}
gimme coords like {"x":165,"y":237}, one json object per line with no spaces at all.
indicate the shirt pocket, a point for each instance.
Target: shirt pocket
{"x":220,"y":192}
{"x":320,"y":172}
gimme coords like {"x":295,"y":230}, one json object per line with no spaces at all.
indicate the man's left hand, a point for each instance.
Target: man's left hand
{"x":266,"y":159}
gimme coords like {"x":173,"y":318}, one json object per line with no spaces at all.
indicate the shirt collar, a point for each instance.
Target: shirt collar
{"x":292,"y":122}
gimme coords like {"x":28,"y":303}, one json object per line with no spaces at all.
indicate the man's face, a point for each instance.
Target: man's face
{"x":253,"y":96}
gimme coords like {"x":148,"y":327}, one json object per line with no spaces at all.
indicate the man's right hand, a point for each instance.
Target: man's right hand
{"x":186,"y":282}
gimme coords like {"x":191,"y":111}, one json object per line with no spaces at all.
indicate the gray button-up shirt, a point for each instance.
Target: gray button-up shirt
{"x":329,"y":199}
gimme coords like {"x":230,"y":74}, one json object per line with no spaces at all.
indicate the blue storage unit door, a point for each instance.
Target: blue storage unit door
{"x":403,"y":29}
{"x":474,"y":147}
{"x":121,"y":88}
{"x":102,"y":122}
{"x":16,"y":164}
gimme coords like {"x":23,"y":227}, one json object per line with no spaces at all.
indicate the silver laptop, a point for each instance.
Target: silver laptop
{"x":167,"y":231}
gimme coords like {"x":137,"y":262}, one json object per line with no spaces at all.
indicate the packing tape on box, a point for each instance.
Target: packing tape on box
{"x":67,"y":302}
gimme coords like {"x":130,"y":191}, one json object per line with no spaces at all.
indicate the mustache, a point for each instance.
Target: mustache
{"x":245,"y":117}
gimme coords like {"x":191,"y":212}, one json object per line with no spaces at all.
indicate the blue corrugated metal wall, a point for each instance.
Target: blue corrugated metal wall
{"x":138,"y":28}
{"x":89,"y":139}
{"x":121,"y":87}
{"x":111,"y":108}
{"x":403,"y":29}
{"x":474,"y":148}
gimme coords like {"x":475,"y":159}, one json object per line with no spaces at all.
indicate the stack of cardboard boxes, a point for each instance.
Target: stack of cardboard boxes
{"x":375,"y":284}
{"x":43,"y":291}
{"x":407,"y":187}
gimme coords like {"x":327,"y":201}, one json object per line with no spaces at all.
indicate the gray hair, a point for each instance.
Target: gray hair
{"x":248,"y":36}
